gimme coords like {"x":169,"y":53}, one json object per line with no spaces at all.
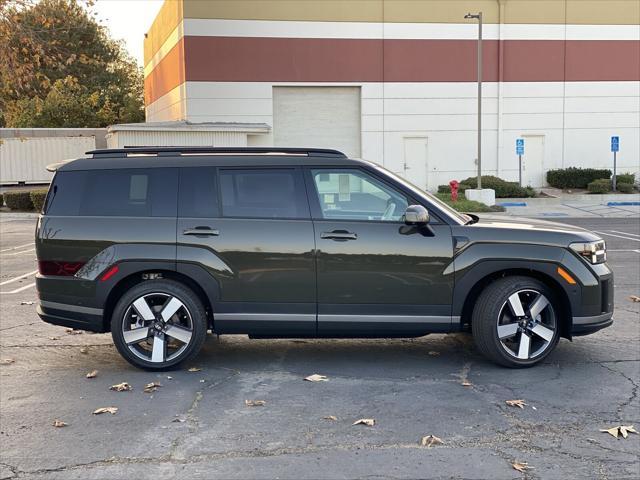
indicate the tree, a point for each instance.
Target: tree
{"x":59,"y":68}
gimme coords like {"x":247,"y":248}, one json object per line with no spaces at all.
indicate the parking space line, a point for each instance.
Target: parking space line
{"x":18,"y":247}
{"x":17,"y":290}
{"x":625,"y":233}
{"x":19,"y":277}
{"x":617,"y":236}
{"x":17,"y":253}
{"x":623,"y":250}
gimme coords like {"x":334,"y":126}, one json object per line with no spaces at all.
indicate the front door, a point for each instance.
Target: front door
{"x":375,"y":275}
{"x":251,"y":229}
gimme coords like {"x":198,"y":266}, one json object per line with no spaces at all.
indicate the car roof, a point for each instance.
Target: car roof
{"x":157,"y":157}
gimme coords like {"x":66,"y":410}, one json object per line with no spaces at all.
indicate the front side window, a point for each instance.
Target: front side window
{"x":351,"y":194}
{"x":263,"y":193}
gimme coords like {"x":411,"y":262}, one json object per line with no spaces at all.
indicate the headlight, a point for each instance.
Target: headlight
{"x":593,"y":252}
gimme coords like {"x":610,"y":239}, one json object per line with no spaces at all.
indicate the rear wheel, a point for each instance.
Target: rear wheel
{"x":515,"y":322}
{"x":158,"y":324}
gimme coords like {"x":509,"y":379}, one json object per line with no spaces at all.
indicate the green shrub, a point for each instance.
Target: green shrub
{"x":600,"y":185}
{"x":502,"y":188}
{"x":18,"y":200}
{"x":624,"y":187}
{"x":469,"y":206}
{"x":629,"y":178}
{"x":573,"y":177}
{"x":37,"y":198}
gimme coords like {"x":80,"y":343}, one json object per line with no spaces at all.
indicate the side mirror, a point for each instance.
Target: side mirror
{"x":416,"y":215}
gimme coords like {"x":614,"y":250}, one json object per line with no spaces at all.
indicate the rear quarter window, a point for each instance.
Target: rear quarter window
{"x":127,"y":193}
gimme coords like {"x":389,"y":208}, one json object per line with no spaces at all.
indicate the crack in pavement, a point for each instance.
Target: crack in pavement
{"x":632,"y":397}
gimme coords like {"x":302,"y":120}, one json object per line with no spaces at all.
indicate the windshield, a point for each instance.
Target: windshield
{"x":460,"y":217}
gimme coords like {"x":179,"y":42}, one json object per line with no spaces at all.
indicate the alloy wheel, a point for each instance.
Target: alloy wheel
{"x":526,"y":324}
{"x":157,"y":327}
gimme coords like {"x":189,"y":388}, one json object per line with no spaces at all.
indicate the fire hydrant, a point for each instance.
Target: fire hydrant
{"x":453,"y":184}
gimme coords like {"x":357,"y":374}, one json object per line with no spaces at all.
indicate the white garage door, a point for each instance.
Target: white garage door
{"x":323,"y":117}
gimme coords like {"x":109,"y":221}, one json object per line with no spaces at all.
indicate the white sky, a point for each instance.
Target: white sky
{"x":128,"y":20}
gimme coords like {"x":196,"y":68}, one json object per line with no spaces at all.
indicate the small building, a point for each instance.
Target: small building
{"x":185,"y":133}
{"x":394,"y":81}
{"x":26,"y":152}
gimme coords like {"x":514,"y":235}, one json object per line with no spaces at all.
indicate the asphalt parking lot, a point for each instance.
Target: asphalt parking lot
{"x":198,"y":426}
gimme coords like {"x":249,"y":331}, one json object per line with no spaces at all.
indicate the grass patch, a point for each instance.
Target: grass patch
{"x":464,"y":205}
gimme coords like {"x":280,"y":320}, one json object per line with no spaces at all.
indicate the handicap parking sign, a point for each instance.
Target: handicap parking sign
{"x":519,"y":146}
{"x":615,"y":144}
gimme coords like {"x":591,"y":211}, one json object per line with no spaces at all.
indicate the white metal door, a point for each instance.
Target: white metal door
{"x":415,"y":161}
{"x":533,"y":161}
{"x":326,"y":117}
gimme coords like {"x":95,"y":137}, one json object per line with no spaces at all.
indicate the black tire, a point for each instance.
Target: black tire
{"x":172,"y":289}
{"x":488,"y":311}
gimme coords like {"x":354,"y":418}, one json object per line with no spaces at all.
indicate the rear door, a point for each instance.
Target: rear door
{"x":376,"y":275}
{"x":251,"y":229}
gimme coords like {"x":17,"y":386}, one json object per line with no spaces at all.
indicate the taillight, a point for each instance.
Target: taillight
{"x":60,"y":269}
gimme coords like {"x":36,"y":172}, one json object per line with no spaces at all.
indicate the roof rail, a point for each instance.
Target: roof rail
{"x":173,"y":151}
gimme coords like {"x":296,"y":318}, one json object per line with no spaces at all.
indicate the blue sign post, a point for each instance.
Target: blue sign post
{"x":520,"y":152}
{"x":615,"y":148}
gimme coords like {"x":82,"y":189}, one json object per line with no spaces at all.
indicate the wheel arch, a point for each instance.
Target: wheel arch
{"x":148,"y":272}
{"x":478,"y":281}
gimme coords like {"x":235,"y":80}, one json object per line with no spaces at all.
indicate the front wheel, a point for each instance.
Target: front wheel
{"x":515,"y":322}
{"x":158,"y":324}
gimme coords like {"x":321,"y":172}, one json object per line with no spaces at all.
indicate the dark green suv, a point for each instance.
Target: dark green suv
{"x":161,"y":245}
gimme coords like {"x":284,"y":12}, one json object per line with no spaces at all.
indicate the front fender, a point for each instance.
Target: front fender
{"x":477,"y":262}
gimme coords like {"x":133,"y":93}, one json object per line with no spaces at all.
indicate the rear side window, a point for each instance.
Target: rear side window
{"x":198,"y":193}
{"x":126,"y":193}
{"x":263,"y":193}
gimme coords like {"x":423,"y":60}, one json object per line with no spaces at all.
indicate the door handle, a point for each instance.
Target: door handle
{"x":201,"y":231}
{"x":339,"y":235}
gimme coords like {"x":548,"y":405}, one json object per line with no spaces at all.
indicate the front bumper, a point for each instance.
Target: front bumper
{"x":587,"y":325}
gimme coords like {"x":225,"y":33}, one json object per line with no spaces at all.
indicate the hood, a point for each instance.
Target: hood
{"x":528,"y":230}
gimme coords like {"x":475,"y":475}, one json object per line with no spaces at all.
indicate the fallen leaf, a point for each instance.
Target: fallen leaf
{"x":28,"y":303}
{"x":515,"y":403}
{"x":614,"y":431}
{"x":71,"y":331}
{"x":111,"y":410}
{"x":121,"y":387}
{"x":59,"y":423}
{"x":92,"y":374}
{"x":522,"y":467}
{"x":634,"y":298}
{"x":255,"y":403}
{"x":623,"y":430}
{"x":467,"y":383}
{"x":53,"y":338}
{"x":316,"y":378}
{"x":152,"y":387}
{"x":431,"y":440}
{"x":369,"y":422}
{"x":433,"y":353}
{"x":84,"y":350}
{"x":333,"y":418}
{"x":7,"y":361}
{"x":194,"y":369}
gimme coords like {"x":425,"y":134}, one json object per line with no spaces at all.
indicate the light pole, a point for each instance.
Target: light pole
{"x":479,"y":17}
